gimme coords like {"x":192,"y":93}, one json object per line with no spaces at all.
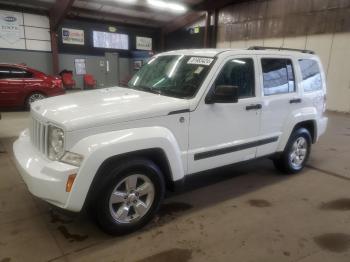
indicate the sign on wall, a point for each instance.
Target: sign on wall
{"x":143,"y":43}
{"x":110,"y":40}
{"x":10,"y":29}
{"x":72,"y":36}
{"x":36,"y":28}
{"x":80,"y":66}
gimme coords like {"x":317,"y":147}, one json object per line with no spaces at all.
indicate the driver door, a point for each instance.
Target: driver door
{"x":226,"y":133}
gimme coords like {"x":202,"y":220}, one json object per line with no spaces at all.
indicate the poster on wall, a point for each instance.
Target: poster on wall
{"x":137,"y":64}
{"x":10,"y":29}
{"x":80,"y":67}
{"x":72,"y":36}
{"x":143,"y":43}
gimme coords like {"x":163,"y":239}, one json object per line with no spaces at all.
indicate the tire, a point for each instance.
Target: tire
{"x":296,"y":153}
{"x":131,"y":208}
{"x":32,"y":98}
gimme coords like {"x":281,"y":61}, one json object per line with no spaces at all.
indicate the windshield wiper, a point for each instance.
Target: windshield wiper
{"x":148,"y":89}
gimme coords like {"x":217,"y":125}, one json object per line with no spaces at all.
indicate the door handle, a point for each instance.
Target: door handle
{"x":295,"y":101}
{"x":253,"y":107}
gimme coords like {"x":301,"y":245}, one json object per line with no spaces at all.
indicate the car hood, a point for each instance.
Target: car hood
{"x":103,"y":107}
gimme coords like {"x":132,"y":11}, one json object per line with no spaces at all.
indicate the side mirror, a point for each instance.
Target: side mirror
{"x":222,"y":94}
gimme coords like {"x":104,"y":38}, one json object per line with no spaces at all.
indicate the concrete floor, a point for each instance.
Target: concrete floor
{"x":246,"y":213}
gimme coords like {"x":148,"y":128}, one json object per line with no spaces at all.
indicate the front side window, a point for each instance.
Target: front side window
{"x":240,"y":73}
{"x":278,"y":76}
{"x":172,"y":75}
{"x":310,"y":71}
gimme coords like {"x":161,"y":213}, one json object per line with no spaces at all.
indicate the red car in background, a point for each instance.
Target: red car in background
{"x":20,"y":86}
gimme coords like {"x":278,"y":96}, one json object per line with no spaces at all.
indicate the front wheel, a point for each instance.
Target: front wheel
{"x":131,"y":195}
{"x":296,"y":153}
{"x":32,"y":98}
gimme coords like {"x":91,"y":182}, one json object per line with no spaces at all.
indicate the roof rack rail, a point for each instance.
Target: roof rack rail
{"x":281,"y":48}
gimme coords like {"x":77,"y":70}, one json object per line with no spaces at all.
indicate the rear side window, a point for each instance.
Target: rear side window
{"x":20,"y":73}
{"x":12,"y":72}
{"x":278,"y":76}
{"x":5,"y":72}
{"x":240,"y":73}
{"x":310,"y":71}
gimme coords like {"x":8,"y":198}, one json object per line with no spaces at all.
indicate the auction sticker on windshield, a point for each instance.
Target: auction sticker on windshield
{"x":200,"y":61}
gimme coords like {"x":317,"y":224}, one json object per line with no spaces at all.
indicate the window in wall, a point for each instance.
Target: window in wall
{"x":311,"y":75}
{"x":278,"y":76}
{"x":240,"y":73}
{"x":110,"y":40}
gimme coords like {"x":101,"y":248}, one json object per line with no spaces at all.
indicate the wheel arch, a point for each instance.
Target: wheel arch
{"x":297,"y":122}
{"x":309,"y":125}
{"x":102,"y":150}
{"x":156,"y":155}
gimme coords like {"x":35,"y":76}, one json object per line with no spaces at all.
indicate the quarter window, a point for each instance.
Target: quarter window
{"x":240,"y":73}
{"x":278,"y":76}
{"x":311,"y":75}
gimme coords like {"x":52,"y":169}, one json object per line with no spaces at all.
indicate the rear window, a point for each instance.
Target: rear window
{"x":310,"y":71}
{"x":278,"y":76}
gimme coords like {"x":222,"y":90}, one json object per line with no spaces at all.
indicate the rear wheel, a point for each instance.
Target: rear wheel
{"x":129,"y":197}
{"x":32,"y":98}
{"x":296,"y":153}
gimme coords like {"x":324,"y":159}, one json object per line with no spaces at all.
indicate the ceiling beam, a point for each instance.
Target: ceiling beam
{"x":217,"y":4}
{"x":58,"y":12}
{"x":183,"y":20}
{"x":110,"y":17}
{"x":15,"y":8}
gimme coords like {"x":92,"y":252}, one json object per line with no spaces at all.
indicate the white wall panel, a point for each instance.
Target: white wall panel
{"x":338,"y":97}
{"x":36,"y":33}
{"x":20,"y":44}
{"x":321,"y":44}
{"x":295,"y":42}
{"x":273,"y":42}
{"x":238,"y":44}
{"x":38,"y":45}
{"x":36,"y":20}
{"x":32,"y":28}
{"x":254,"y":42}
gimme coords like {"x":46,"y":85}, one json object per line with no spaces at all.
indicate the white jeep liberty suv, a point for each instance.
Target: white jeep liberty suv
{"x":116,"y":150}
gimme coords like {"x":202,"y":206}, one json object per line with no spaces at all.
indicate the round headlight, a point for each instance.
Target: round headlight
{"x":56,"y":143}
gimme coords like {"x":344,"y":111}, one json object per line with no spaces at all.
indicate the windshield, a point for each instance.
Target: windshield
{"x":173,"y":75}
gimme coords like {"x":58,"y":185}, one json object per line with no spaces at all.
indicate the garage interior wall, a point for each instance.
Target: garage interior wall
{"x":319,"y":25}
{"x":41,"y":61}
{"x":66,"y":61}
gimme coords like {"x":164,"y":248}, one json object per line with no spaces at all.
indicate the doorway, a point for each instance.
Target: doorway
{"x":111,"y":69}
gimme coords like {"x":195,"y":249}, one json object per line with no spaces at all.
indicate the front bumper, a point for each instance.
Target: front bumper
{"x":44,"y":178}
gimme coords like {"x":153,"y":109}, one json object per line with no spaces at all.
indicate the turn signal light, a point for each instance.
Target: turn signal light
{"x":70,"y":182}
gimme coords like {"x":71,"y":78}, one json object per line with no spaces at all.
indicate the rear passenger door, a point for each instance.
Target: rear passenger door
{"x":280,"y":96}
{"x":11,"y":86}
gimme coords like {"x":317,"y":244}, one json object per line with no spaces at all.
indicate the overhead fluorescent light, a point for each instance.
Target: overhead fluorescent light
{"x":130,"y":2}
{"x":171,"y":6}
